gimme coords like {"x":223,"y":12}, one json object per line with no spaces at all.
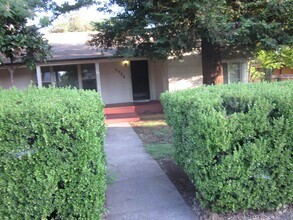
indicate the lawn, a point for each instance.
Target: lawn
{"x":156,"y":136}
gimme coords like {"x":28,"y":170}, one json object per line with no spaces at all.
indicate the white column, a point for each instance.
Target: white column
{"x":39,"y":77}
{"x":98,"y":78}
{"x":152,"y":80}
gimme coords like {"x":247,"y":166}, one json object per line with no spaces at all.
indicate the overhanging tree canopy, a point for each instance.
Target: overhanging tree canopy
{"x":21,"y":42}
{"x":160,"y":28}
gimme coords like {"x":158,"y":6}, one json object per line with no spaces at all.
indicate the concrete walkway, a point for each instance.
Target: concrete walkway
{"x":140,"y":189}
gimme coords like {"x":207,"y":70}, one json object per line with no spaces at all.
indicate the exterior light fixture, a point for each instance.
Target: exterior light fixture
{"x":125,"y":63}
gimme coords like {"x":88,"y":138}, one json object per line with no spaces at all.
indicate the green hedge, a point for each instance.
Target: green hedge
{"x":235,"y":142}
{"x":52,"y":162}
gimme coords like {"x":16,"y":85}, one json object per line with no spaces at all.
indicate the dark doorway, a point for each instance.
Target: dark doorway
{"x":140,"y":80}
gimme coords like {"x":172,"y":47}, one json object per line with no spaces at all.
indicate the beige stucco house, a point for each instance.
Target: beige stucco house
{"x":118,"y":80}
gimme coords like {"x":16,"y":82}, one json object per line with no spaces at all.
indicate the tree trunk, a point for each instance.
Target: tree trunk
{"x":212,"y":67}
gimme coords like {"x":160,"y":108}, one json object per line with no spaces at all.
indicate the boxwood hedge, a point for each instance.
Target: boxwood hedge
{"x":52,"y":162}
{"x":235,"y":142}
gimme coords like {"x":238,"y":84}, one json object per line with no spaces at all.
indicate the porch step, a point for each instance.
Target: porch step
{"x":129,"y":112}
{"x":150,"y":108}
{"x":121,"y":117}
{"x":119,"y":110}
{"x":119,"y":120}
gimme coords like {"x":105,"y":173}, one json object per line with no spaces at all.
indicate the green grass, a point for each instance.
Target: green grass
{"x":159,"y":151}
{"x":154,"y":123}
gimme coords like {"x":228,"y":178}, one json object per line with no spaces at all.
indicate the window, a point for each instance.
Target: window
{"x":46,"y":76}
{"x":74,"y":76}
{"x":88,"y":74}
{"x":66,"y":76}
{"x":232,"y":72}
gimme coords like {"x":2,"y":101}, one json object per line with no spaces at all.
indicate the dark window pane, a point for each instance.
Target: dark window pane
{"x":66,"y":76}
{"x":46,"y":75}
{"x":46,"y":84}
{"x":88,"y":73}
{"x":89,"y":84}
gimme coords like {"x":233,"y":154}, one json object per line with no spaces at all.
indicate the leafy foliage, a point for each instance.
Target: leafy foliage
{"x":163,"y":28}
{"x":235,"y":142}
{"x":22,"y":42}
{"x":265,"y":61}
{"x":219,"y":28}
{"x":73,"y":24}
{"x":52,"y":162}
{"x":282,"y":57}
{"x":17,"y":40}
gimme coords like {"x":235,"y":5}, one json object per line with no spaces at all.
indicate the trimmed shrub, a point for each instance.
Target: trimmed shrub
{"x":235,"y":143}
{"x":52,"y":162}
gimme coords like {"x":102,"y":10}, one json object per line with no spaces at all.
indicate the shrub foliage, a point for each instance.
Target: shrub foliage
{"x":52,"y":162}
{"x":235,"y":142}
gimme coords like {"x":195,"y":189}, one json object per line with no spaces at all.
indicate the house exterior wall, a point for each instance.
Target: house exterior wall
{"x":23,"y":77}
{"x":116,"y":84}
{"x":158,"y":78}
{"x":282,"y":74}
{"x":284,"y":70}
{"x":186,"y":73}
{"x":114,"y":76}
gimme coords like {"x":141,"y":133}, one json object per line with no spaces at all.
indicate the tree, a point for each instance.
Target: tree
{"x":266,"y":61}
{"x":23,"y":43}
{"x":160,"y":28}
{"x":73,"y":24}
{"x":282,"y":57}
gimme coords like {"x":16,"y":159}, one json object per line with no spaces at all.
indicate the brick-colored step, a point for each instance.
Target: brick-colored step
{"x":118,"y":110}
{"x":119,"y":120}
{"x":123,"y":115}
{"x":146,"y":109}
{"x":130,"y":111}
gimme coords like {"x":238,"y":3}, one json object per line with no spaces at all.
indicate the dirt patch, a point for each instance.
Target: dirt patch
{"x":187,"y":190}
{"x":152,"y":129}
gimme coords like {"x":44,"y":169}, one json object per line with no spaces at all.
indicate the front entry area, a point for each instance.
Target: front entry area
{"x":140,"y":80}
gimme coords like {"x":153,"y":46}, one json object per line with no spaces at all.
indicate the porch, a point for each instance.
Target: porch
{"x":130,"y":112}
